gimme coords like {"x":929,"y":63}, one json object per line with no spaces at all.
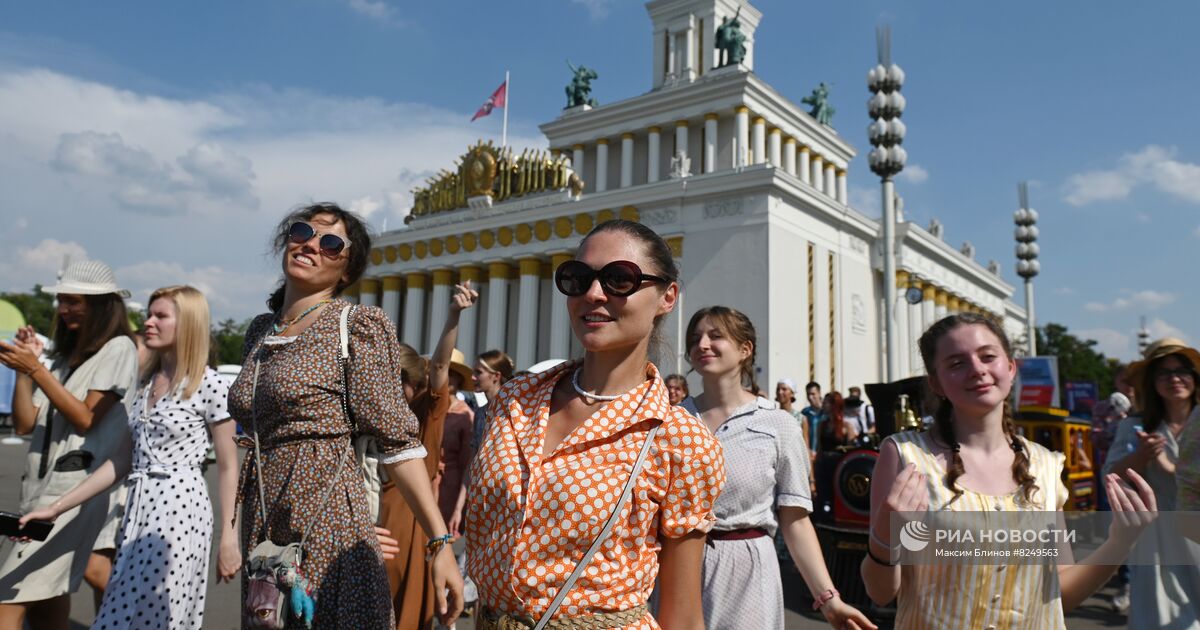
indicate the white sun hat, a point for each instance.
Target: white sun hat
{"x":87,"y":277}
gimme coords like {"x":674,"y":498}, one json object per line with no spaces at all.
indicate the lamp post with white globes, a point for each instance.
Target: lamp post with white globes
{"x":1027,"y":259}
{"x":886,"y":160}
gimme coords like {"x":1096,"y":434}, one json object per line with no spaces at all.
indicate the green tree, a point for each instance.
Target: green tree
{"x":36,"y":306}
{"x":1078,"y":359}
{"x":228,"y":337}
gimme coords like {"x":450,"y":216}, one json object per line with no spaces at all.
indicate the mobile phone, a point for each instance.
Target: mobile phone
{"x":36,"y":529}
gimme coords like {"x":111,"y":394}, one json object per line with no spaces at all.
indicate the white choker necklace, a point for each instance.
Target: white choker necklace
{"x":586,"y":394}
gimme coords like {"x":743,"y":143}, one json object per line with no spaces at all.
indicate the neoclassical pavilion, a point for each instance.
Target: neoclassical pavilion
{"x":749,"y":191}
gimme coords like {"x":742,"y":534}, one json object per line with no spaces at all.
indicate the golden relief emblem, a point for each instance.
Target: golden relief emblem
{"x":480,"y":168}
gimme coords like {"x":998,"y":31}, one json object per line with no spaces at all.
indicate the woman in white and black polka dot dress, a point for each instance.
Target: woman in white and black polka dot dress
{"x":161,"y":569}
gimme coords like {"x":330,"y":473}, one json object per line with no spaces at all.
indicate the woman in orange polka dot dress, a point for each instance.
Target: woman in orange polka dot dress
{"x":560,"y":446}
{"x":295,"y":405}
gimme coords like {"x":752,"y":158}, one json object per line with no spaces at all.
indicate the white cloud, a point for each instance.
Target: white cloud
{"x":597,"y":9}
{"x":374,"y":9}
{"x":24,"y":266}
{"x":209,"y":176}
{"x":1154,"y":165}
{"x":1159,"y":328}
{"x":914,"y":174}
{"x":1143,"y":300}
{"x":1113,"y":343}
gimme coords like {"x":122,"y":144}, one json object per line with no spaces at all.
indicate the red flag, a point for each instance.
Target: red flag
{"x":497,"y":99}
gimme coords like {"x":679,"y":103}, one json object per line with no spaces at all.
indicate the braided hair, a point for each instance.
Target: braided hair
{"x":943,"y":416}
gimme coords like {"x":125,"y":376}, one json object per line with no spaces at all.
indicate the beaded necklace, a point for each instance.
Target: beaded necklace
{"x":279,"y":326}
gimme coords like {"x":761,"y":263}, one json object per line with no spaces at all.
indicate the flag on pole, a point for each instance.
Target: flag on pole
{"x":497,"y":99}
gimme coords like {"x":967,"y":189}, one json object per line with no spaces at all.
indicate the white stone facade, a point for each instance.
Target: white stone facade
{"x":762,"y":224}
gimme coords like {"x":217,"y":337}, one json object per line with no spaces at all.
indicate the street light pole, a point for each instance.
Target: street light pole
{"x":1027,"y":259}
{"x":887,"y":159}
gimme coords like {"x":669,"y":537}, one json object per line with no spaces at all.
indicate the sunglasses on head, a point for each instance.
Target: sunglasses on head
{"x":619,"y":278}
{"x":330,"y":245}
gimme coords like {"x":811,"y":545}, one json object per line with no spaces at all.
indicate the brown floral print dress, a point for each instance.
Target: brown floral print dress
{"x":304,"y":432}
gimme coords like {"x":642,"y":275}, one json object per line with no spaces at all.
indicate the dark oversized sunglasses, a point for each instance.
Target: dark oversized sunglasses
{"x":619,"y":278}
{"x":331,"y":245}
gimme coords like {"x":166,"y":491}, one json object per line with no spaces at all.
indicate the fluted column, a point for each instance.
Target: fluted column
{"x":830,"y":180}
{"x":468,"y":322}
{"x":916,"y":320}
{"x":497,"y":312}
{"x":653,"y":154}
{"x":804,"y":169}
{"x":626,"y":160}
{"x":602,"y":165}
{"x":681,"y":137}
{"x":577,"y":160}
{"x":789,"y":155}
{"x":414,"y":310}
{"x":710,"y":143}
{"x":818,"y":172}
{"x":774,"y":148}
{"x":928,"y":305}
{"x":843,"y":196}
{"x":527,"y":312}
{"x":758,"y":143}
{"x":741,"y":156}
{"x":560,"y":320}
{"x":391,"y":298}
{"x":902,"y":341}
{"x":368,"y":293}
{"x":439,"y":309}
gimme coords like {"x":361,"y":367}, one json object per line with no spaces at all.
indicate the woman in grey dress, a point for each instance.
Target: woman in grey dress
{"x":766,"y":488}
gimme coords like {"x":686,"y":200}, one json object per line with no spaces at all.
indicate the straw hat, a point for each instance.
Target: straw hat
{"x":87,"y":277}
{"x":458,"y":363}
{"x":1158,"y":350}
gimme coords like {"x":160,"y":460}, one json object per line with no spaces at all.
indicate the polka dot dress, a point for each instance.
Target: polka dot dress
{"x":304,"y":433}
{"x":160,"y":573}
{"x":531,"y":516}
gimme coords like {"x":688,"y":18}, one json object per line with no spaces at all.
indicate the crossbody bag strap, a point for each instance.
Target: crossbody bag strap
{"x":258,"y":481}
{"x":344,"y":359}
{"x":604,"y":533}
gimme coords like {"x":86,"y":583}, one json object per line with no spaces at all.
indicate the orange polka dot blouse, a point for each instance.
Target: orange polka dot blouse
{"x":531,"y":516}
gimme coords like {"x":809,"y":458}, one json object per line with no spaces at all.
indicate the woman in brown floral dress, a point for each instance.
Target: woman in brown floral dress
{"x":304,"y":432}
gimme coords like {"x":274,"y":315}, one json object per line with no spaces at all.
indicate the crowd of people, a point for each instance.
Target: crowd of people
{"x":591,"y":494}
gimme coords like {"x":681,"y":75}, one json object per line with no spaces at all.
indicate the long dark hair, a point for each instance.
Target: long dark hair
{"x":356,"y":231}
{"x":943,"y":416}
{"x":735,"y":325}
{"x":1154,"y":409}
{"x":105,"y":320}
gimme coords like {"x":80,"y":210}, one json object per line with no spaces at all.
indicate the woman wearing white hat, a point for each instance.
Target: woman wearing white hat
{"x":1162,"y":594}
{"x":77,"y":410}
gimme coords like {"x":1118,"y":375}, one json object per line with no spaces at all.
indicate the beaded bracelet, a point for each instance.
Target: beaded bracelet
{"x":435,"y":545}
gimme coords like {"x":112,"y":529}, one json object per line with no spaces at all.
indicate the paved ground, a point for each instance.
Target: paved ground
{"x":223,"y":601}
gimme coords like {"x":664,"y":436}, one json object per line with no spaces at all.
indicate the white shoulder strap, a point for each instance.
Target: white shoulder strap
{"x":344,"y":331}
{"x":604,"y":533}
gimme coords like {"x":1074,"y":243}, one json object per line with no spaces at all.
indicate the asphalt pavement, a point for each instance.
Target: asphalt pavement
{"x":223,"y":599}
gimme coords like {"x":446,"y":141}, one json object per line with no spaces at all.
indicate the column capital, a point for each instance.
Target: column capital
{"x":444,"y":277}
{"x":928,"y":291}
{"x":741,"y":109}
{"x":901,"y":279}
{"x":578,"y":147}
{"x":789,"y":140}
{"x":498,"y":270}
{"x":759,"y":120}
{"x":627,"y":136}
{"x":416,"y":280}
{"x":941,"y":298}
{"x":559,"y":258}
{"x":711,"y":116}
{"x":369,"y":285}
{"x":602,"y":141}
{"x":654,"y":129}
{"x":392,"y":283}
{"x":805,"y":149}
{"x":469,"y":272}
{"x":681,"y":123}
{"x":775,"y":131}
{"x":530,"y":266}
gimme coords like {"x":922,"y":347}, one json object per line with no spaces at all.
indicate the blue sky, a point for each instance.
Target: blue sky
{"x":166,"y":138}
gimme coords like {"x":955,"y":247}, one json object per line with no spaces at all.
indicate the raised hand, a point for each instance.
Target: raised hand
{"x":464,"y":297}
{"x":20,"y":357}
{"x":1133,"y":504}
{"x":910,"y":492}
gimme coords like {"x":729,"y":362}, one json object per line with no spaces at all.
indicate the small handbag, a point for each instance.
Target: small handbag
{"x":276,"y":588}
